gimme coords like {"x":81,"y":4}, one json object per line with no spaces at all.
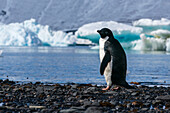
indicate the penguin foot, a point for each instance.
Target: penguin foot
{"x":115,"y":88}
{"x":107,"y":88}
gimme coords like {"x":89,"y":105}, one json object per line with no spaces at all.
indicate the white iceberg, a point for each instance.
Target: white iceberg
{"x":160,"y":33}
{"x":151,"y":44}
{"x":150,"y":22}
{"x":30,"y":33}
{"x":121,"y":31}
{"x":149,"y":25}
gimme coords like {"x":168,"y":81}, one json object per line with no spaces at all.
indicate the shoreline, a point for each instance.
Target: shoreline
{"x":80,"y":98}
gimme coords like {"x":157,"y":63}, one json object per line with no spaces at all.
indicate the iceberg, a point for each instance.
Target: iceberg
{"x":160,"y":33}
{"x":122,"y":32}
{"x":149,"y":25}
{"x":151,"y":44}
{"x":30,"y":33}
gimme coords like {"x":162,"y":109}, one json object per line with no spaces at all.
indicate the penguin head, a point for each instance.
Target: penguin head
{"x":104,"y":32}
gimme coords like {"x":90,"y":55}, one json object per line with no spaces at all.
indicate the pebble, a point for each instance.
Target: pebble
{"x":94,"y":110}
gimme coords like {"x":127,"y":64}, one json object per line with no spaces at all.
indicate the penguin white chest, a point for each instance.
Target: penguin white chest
{"x":108,"y":70}
{"x":101,"y":47}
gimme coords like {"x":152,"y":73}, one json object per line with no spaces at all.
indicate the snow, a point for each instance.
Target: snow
{"x":150,"y":22}
{"x":69,"y":14}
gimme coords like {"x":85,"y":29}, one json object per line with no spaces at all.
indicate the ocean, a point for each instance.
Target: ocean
{"x":79,"y":64}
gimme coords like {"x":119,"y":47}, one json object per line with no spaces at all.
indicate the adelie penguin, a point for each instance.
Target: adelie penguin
{"x":113,"y":60}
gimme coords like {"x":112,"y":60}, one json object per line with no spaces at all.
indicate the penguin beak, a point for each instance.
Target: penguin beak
{"x":98,"y":31}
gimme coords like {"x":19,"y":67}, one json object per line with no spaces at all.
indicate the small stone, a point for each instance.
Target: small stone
{"x":134,"y":93}
{"x":144,"y":109}
{"x":78,"y":108}
{"x":146,"y":104}
{"x":74,"y":86}
{"x":118,"y":107}
{"x":75,"y":94}
{"x":128,"y":105}
{"x":94,"y":110}
{"x":111,"y":92}
{"x":68,"y":110}
{"x":39,"y":107}
{"x":114,"y":102}
{"x":91,"y":88}
{"x":147,"y":97}
{"x":68,"y":104}
{"x":166,"y":98}
{"x":87,"y":103}
{"x":96,"y":104}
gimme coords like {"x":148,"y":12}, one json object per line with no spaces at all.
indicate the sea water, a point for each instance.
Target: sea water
{"x":79,"y":64}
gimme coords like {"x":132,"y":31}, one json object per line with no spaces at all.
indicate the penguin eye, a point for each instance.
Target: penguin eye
{"x":106,"y":33}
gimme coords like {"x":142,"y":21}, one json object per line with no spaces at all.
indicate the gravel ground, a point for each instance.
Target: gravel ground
{"x":80,"y":98}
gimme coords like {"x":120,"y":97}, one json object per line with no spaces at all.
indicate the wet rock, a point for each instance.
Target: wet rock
{"x":40,"y":89}
{"x":94,"y":110}
{"x":68,"y":111}
{"x":92,"y":88}
{"x":37,"y":107}
{"x":114,"y":103}
{"x":146,"y":104}
{"x":118,"y":107}
{"x":96,"y":104}
{"x":110,"y":92}
{"x":128,"y":105}
{"x":156,"y":102}
{"x":144,"y":109}
{"x":135,"y":94}
{"x":87,"y":104}
{"x":75,"y":94}
{"x":147,"y":97}
{"x":165,"y":98}
{"x":137,"y":104}
{"x":74,"y":86}
{"x":78,"y":108}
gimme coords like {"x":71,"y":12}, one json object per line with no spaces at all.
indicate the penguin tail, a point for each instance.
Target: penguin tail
{"x":126,"y":85}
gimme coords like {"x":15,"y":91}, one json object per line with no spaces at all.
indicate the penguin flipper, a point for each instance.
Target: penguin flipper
{"x":105,"y":61}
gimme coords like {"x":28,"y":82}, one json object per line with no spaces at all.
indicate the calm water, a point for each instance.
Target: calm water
{"x":78,"y":65}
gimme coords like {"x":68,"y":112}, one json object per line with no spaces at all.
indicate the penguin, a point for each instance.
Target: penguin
{"x":113,"y":60}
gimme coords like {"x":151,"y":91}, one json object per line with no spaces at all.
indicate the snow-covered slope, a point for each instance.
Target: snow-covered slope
{"x":71,"y":14}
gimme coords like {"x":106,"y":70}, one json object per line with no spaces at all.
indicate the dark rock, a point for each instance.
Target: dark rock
{"x":68,"y":111}
{"x":128,"y":105}
{"x":118,"y":107}
{"x":165,"y":98}
{"x":134,"y":93}
{"x":114,"y":102}
{"x":69,"y":104}
{"x":75,"y":86}
{"x":111,"y":92}
{"x":40,"y":89}
{"x":87,"y":103}
{"x":146,"y":104}
{"x":147,"y":97}
{"x":75,"y":94}
{"x":92,"y":88}
{"x":96,"y":104}
{"x":144,"y":109}
{"x":78,"y":108}
{"x":94,"y":110}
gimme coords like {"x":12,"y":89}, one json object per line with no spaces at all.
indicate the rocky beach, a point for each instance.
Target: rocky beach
{"x":79,"y":98}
